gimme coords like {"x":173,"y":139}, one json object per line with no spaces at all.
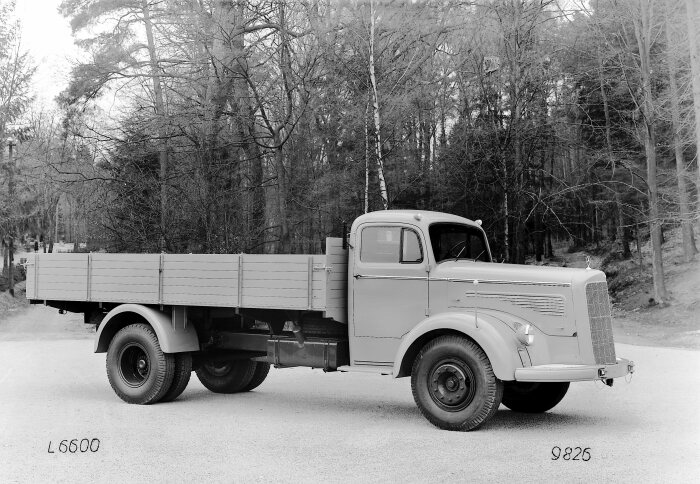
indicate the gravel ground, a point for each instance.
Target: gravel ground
{"x":303,"y":425}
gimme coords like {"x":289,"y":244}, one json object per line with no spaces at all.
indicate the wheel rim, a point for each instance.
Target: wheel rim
{"x":134,"y":365}
{"x":218,"y":368}
{"x":451,"y":384}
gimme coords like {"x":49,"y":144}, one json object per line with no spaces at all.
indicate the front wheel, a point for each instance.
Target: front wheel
{"x":454,"y":385}
{"x":533,"y":397}
{"x":138,"y":370}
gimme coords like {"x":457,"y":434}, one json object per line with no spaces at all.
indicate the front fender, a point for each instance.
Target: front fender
{"x":172,"y":339}
{"x":491,"y":334}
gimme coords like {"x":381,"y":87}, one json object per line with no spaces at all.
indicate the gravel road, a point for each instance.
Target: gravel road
{"x":303,"y":425}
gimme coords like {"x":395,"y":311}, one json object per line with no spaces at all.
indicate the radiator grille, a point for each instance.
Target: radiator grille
{"x":600,"y":317}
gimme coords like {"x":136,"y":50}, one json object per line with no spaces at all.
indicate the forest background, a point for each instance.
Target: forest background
{"x":266,"y":126}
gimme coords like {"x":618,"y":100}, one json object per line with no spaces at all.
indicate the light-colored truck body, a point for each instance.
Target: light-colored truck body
{"x":414,"y":293}
{"x":295,"y":282}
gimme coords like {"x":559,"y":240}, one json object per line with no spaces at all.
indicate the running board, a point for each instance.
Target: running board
{"x":382,"y":370}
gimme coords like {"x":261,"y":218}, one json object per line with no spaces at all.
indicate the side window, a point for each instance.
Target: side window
{"x":380,"y":244}
{"x":390,"y":245}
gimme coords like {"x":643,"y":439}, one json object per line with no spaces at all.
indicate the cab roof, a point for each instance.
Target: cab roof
{"x":416,"y":217}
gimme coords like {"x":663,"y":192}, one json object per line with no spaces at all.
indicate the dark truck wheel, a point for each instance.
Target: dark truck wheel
{"x":533,"y":397}
{"x":454,"y":385}
{"x":183,"y":371}
{"x":225,"y":375}
{"x":137,"y":368}
{"x":259,"y":375}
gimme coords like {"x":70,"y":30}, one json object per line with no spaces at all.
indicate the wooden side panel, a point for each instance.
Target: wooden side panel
{"x":124,"y":277}
{"x":337,"y":280}
{"x":282,"y":281}
{"x":319,"y":278}
{"x":61,"y":277}
{"x":266,"y":281}
{"x":31,"y":276}
{"x":200,"y":279}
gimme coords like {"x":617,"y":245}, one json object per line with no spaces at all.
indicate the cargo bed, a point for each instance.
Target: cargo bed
{"x":261,"y":281}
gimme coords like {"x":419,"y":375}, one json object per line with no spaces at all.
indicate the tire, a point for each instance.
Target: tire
{"x":138,"y":370}
{"x":529,"y":397}
{"x":454,"y":385}
{"x":259,"y":375}
{"x":225,"y":375}
{"x":183,"y":372}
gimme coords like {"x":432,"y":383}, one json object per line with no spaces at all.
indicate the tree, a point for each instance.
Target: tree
{"x":689,"y":249}
{"x":693,"y":40}
{"x":643,"y":31}
{"x":16,"y":72}
{"x":117,"y":56}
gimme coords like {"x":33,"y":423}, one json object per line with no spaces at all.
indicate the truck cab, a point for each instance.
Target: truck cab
{"x":394,"y":258}
{"x":418,"y":277}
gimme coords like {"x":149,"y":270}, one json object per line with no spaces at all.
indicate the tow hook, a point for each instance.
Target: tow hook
{"x":601,"y":374}
{"x":630,"y":367}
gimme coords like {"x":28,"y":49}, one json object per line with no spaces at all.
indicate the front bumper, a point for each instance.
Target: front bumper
{"x":544,"y":373}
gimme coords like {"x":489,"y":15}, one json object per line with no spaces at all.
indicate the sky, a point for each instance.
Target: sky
{"x":47,"y":36}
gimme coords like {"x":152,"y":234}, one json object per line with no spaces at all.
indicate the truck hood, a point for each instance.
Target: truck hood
{"x":546,"y":297}
{"x":516,"y":273}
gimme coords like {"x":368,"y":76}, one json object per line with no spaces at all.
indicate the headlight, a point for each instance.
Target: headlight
{"x":523,"y":334}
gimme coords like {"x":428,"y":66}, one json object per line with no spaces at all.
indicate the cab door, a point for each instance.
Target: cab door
{"x":390,"y":290}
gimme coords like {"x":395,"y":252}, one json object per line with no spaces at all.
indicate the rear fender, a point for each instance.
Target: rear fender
{"x":172,"y":338}
{"x":492,"y":335}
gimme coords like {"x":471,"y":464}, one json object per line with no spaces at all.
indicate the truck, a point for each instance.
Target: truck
{"x":406,"y":293}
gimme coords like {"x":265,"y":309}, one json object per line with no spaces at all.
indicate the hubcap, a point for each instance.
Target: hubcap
{"x":452,"y":385}
{"x":134,"y":365}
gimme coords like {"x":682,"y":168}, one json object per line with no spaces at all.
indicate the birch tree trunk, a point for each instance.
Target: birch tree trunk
{"x":685,"y":215}
{"x":642,"y":30}
{"x":367,"y":158}
{"x":375,"y":105}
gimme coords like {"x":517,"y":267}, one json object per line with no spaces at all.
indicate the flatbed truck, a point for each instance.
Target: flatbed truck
{"x":407,"y":293}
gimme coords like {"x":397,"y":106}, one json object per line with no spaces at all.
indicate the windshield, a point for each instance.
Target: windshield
{"x":455,"y":241}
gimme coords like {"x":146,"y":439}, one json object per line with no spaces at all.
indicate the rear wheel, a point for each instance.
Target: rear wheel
{"x":225,"y":375}
{"x":454,"y":385}
{"x":533,"y":397}
{"x":259,"y":375}
{"x":183,"y":372}
{"x":138,"y":370}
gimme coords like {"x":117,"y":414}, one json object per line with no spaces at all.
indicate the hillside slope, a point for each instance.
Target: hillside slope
{"x":638,"y":319}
